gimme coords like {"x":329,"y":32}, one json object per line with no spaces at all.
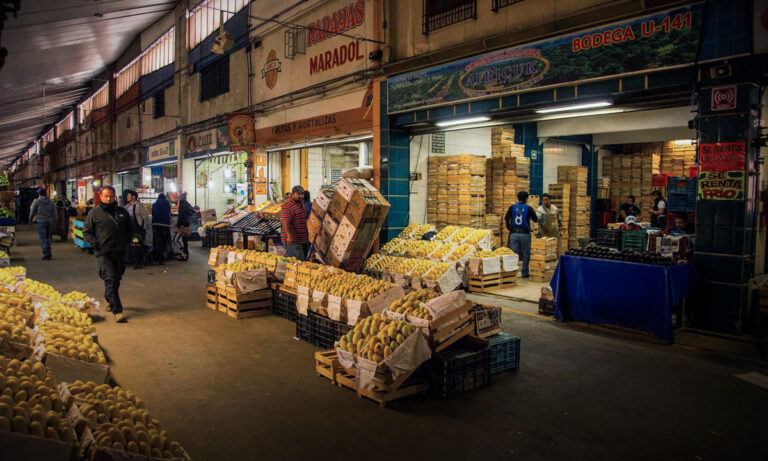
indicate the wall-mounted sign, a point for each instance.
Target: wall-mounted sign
{"x":242,"y":134}
{"x":270,"y":69}
{"x":340,"y":21}
{"x":722,"y":156}
{"x":721,"y":185}
{"x":161,"y":151}
{"x":215,"y":139}
{"x":260,"y":174}
{"x":650,"y":42}
{"x":724,"y":97}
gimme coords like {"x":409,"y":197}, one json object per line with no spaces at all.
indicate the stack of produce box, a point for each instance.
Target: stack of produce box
{"x":543,"y":259}
{"x":579,"y":206}
{"x":459,"y":186}
{"x":350,"y":223}
{"x":433,"y":182}
{"x":560,"y":194}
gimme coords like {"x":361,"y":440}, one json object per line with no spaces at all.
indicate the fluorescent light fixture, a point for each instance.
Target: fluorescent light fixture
{"x":683,"y":142}
{"x":329,"y":142}
{"x":463,"y":121}
{"x":614,"y":110}
{"x":147,"y":178}
{"x":84,"y":178}
{"x":122,"y":172}
{"x":570,"y":107}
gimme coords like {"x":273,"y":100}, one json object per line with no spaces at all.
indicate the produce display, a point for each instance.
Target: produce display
{"x":12,"y":326}
{"x":423,"y":250}
{"x":476,"y":235}
{"x":460,"y":251}
{"x":442,"y":251}
{"x":75,"y":296}
{"x":625,"y":255}
{"x":401,"y":266}
{"x":503,"y":251}
{"x":381,"y":262}
{"x":3,"y":254}
{"x":7,"y":278}
{"x":410,"y":304}
{"x":5,"y":213}
{"x":376,"y":337}
{"x":240,"y":266}
{"x":409,"y":247}
{"x":446,"y":232}
{"x":71,"y":341}
{"x":65,"y":315}
{"x":421,"y":267}
{"x":406,"y":233}
{"x":120,"y":421}
{"x":485,"y":254}
{"x":348,"y":285}
{"x":41,"y":289}
{"x":17,"y":300}
{"x":390,"y":246}
{"x":438,"y":271}
{"x":461,"y":234}
{"x":421,"y":230}
{"x":29,"y":403}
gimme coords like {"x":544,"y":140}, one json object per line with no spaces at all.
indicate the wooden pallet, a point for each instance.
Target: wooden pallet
{"x":490,"y":282}
{"x":244,"y":306}
{"x":327,"y":365}
{"x":211,"y":297}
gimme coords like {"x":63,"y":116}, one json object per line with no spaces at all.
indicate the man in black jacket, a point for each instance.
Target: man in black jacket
{"x":108,"y":229}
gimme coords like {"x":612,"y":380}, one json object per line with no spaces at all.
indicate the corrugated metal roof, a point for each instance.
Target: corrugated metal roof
{"x":55,"y":47}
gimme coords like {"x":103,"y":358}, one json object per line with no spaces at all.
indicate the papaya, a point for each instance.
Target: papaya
{"x":5,"y":423}
{"x":20,"y":424}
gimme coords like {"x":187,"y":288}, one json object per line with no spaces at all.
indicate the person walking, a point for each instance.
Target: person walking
{"x":108,"y":228}
{"x":183,"y":226}
{"x":518,"y":221}
{"x":44,"y":212}
{"x":549,"y":219}
{"x":659,"y":211}
{"x":294,"y":234}
{"x":140,"y":223}
{"x":161,"y":227}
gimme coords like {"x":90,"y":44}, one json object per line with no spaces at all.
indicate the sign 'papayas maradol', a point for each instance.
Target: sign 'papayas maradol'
{"x":657,"y":41}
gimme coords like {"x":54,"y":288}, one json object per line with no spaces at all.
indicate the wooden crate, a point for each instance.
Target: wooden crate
{"x":327,"y":365}
{"x":490,"y":282}
{"x":244,"y":306}
{"x":211,"y":297}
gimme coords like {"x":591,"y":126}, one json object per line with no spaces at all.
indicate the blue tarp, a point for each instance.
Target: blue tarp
{"x":631,"y":295}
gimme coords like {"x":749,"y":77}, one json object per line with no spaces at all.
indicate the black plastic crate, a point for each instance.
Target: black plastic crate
{"x":222,"y":236}
{"x":610,"y":238}
{"x":546,"y":307}
{"x":505,"y":352}
{"x":323,"y":330}
{"x":462,"y":367}
{"x":303,"y":328}
{"x":284,"y":305}
{"x":341,"y":330}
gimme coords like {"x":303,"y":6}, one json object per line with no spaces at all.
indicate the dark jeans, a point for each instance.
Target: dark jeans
{"x":521,"y":244}
{"x":111,"y":270}
{"x":182,"y":242}
{"x":44,"y":230}
{"x":160,"y":237}
{"x":137,"y":251}
{"x":297,"y":250}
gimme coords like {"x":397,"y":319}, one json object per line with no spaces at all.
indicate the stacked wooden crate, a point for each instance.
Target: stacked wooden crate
{"x":543,"y":259}
{"x":433,"y":186}
{"x":508,"y":173}
{"x":579,"y":206}
{"x":459,"y":187}
{"x":560,"y":195}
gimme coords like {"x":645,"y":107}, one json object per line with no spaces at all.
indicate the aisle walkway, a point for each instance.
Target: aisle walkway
{"x":240,"y":390}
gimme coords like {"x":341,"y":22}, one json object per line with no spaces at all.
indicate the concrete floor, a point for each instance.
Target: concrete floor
{"x":235,"y":390}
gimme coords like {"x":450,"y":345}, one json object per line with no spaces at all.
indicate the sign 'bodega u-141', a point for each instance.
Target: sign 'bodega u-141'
{"x":656,"y":41}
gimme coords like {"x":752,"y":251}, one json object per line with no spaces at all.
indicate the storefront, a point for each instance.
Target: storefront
{"x":160,"y":171}
{"x":127,"y":166}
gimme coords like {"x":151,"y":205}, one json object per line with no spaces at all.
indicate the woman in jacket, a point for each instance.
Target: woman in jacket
{"x":183,"y":225}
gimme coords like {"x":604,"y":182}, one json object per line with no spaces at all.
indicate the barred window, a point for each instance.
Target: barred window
{"x":158,"y":107}
{"x":442,"y":13}
{"x":205,"y":18}
{"x":498,"y":4}
{"x":214,"y":79}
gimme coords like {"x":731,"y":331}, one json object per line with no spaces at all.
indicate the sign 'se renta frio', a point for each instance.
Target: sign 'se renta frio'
{"x":660,"y":40}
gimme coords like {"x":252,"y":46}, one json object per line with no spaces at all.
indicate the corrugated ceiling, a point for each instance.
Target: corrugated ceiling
{"x":56,"y":47}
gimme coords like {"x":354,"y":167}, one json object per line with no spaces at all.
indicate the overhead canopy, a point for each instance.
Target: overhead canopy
{"x":55,"y":47}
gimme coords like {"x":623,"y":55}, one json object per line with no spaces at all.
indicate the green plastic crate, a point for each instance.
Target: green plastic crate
{"x":634,"y":240}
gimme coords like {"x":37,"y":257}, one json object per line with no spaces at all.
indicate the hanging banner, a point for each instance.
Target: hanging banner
{"x":721,"y":185}
{"x":242,"y":134}
{"x":208,"y":141}
{"x":651,"y":42}
{"x":161,"y":151}
{"x":722,"y":156}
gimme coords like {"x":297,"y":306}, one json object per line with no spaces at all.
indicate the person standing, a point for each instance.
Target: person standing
{"x":628,"y":208}
{"x":550,"y":219}
{"x":108,"y":228}
{"x":183,"y":226}
{"x":44,"y":212}
{"x":518,"y":221}
{"x":294,"y":234}
{"x":161,"y":227}
{"x":307,"y":204}
{"x":140,"y":221}
{"x":658,"y":213}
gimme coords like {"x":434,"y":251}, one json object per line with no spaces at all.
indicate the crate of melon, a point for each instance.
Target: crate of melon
{"x":444,"y":319}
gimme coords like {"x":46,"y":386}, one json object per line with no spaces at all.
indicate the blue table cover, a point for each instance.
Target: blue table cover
{"x":631,"y":295}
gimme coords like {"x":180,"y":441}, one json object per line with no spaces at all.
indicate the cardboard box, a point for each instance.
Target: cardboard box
{"x":338,"y":207}
{"x":314,"y":225}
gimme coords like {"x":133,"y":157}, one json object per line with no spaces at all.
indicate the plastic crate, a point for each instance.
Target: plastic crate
{"x":341,"y":329}
{"x":505,"y":352}
{"x":323,"y":331}
{"x":678,"y":203}
{"x":681,"y":186}
{"x":634,"y":240}
{"x":462,"y":367}
{"x":584,"y":242}
{"x":222,"y":236}
{"x":610,"y":238}
{"x":303,"y":328}
{"x":546,"y":307}
{"x":211,"y":277}
{"x":285,"y":305}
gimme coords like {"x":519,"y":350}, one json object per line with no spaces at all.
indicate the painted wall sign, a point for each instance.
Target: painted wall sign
{"x":241,"y":131}
{"x":722,"y":156}
{"x":260,"y":176}
{"x":721,"y":185}
{"x":338,"y":57}
{"x":340,"y":21}
{"x":270,"y":69}
{"x":161,"y":151}
{"x":650,"y":42}
{"x":724,"y":97}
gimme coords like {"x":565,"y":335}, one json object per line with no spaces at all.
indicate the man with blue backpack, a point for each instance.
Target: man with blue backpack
{"x":518,"y":221}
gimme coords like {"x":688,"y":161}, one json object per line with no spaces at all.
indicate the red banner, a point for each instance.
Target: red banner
{"x":722,"y":156}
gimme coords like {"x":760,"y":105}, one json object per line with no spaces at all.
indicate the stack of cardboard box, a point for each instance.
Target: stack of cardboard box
{"x":579,"y":206}
{"x":457,"y":189}
{"x":543,"y":259}
{"x":350,"y":223}
{"x":560,"y":195}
